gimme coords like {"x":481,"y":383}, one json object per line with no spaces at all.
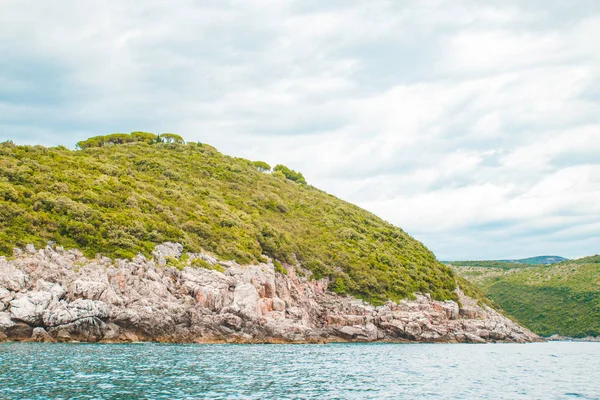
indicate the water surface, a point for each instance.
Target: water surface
{"x":556,"y":370}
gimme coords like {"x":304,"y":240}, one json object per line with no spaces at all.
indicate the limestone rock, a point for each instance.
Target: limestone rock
{"x":71,"y":298}
{"x":87,"y":289}
{"x":168,"y":249}
{"x":6,"y":321}
{"x":246,"y":297}
{"x":29,"y":308}
{"x":11,"y":278}
{"x":30,"y":248}
{"x":66,"y":313}
{"x":40,"y":335}
{"x":13,"y":330}
{"x":352,"y":332}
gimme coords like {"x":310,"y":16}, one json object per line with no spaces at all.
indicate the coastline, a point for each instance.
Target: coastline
{"x":54,"y":294}
{"x":559,"y":338}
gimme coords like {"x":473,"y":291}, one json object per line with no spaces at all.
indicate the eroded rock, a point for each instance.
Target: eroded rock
{"x":67,"y":297}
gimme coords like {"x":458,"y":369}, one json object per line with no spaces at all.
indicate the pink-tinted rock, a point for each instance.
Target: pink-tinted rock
{"x":72,"y":298}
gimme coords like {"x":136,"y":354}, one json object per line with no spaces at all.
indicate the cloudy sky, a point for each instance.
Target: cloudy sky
{"x":473,"y":125}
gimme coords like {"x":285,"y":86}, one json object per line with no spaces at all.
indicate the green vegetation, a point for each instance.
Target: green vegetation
{"x":134,"y":137}
{"x":262,"y":166}
{"x":290,"y":174}
{"x":562,"y":298}
{"x":487,"y":264}
{"x":538,"y":260}
{"x":509,"y":264}
{"x":122,"y":194}
{"x":200,"y":263}
{"x":280,"y":268}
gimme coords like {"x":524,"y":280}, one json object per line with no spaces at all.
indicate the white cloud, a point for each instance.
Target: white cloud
{"x":474,"y":127}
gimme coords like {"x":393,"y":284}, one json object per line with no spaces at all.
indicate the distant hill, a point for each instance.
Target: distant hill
{"x":509,"y":264}
{"x":538,"y":260}
{"x":561,"y":298}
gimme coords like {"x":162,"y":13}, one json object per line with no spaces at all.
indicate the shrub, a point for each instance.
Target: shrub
{"x":279,"y":268}
{"x":200,"y":263}
{"x":145,"y":137}
{"x":171,"y":138}
{"x":261,"y":166}
{"x":290,"y":174}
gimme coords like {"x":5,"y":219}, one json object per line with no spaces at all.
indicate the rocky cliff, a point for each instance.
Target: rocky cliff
{"x":57,"y":295}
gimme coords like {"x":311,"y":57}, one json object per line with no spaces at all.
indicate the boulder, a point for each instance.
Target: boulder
{"x":89,"y":329}
{"x":29,"y":308}
{"x":86,"y":289}
{"x":413,"y":330}
{"x":13,"y":330}
{"x":5,"y":298}
{"x":40,"y":335}
{"x":353,"y":333}
{"x":246,"y":298}
{"x":30,"y":248}
{"x":6,"y":321}
{"x":12,"y":278}
{"x":64,"y":313}
{"x":278,"y":304}
{"x":468,"y":312}
{"x":473,"y":338}
{"x":168,"y":249}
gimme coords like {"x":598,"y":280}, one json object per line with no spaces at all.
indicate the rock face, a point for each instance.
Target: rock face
{"x":58,"y":295}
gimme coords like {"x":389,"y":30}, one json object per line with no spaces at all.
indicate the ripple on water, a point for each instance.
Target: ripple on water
{"x":349,"y":371}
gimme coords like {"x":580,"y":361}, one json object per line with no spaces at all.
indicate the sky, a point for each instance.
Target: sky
{"x":472,"y":125}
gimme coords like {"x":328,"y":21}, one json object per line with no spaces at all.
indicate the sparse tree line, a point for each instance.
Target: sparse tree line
{"x":153,"y":138}
{"x":281,"y":171}
{"x":133,"y":137}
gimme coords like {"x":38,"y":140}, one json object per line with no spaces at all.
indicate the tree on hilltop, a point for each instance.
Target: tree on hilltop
{"x":290,"y":174}
{"x":261,"y":166}
{"x":172,"y":138}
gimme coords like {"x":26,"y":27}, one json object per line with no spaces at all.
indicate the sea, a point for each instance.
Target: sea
{"x":554,"y":370}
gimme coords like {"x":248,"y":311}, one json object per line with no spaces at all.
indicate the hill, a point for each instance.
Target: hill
{"x":508,"y":264}
{"x":562,"y":298}
{"x":538,"y":260}
{"x":122,"y":194}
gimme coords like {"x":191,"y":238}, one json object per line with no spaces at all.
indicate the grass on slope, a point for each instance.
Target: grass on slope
{"x":122,"y":199}
{"x":562,"y":298}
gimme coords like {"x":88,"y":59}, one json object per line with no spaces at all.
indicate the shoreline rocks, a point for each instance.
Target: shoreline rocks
{"x":57,"y":295}
{"x":560,"y":338}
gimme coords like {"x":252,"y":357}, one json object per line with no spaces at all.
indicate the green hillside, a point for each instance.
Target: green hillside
{"x":508,"y":264}
{"x":538,"y":260}
{"x":122,"y":194}
{"x":494,"y":264}
{"x":562,"y":298}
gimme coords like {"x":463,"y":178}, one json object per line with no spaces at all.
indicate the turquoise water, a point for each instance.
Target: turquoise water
{"x":338,"y":371}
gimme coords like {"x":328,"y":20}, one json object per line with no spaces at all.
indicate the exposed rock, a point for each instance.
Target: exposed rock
{"x":165,"y":250}
{"x":40,"y":335}
{"x":5,"y":298}
{"x":87,"y":289}
{"x":12,"y":330}
{"x":11,"y":278}
{"x":6,"y":321}
{"x":352,"y":332}
{"x":29,"y":307}
{"x":64,"y":313}
{"x":67,"y":297}
{"x":468,"y":312}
